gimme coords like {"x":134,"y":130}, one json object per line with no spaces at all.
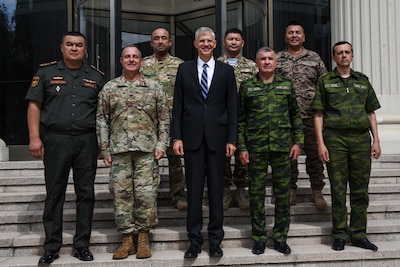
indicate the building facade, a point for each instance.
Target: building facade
{"x":32,"y":29}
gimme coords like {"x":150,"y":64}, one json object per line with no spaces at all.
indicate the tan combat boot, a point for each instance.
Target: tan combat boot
{"x":293,"y":200}
{"x":227,"y":198}
{"x":241,"y":199}
{"x":143,"y":245}
{"x":127,"y":248}
{"x":318,"y":199}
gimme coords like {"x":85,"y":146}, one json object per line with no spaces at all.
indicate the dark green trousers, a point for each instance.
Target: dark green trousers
{"x":350,"y":163}
{"x":61,"y":153}
{"x":280,"y":163}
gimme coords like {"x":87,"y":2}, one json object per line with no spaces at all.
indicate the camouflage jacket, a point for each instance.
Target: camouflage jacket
{"x":303,"y":71}
{"x":163,"y":71}
{"x":132,"y":116}
{"x":267,"y":114}
{"x":345,"y":106}
{"x":244,"y":68}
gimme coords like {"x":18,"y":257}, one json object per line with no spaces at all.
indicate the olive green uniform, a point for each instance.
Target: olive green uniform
{"x":345,"y":104}
{"x":267,"y":115}
{"x":68,"y":130}
{"x":164,"y":71}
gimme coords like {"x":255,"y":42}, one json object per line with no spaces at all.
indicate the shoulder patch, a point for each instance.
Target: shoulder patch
{"x":35,"y":81}
{"x":96,"y":69}
{"x":48,"y":64}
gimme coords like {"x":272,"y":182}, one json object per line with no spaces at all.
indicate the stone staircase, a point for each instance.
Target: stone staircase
{"x":22,"y":195}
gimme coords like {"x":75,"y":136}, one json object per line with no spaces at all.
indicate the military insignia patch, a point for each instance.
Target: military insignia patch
{"x":35,"y":81}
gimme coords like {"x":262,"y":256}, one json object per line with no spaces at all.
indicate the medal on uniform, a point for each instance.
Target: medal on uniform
{"x":58,"y":88}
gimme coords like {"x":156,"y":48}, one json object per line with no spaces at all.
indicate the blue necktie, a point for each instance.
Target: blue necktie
{"x":204,"y":87}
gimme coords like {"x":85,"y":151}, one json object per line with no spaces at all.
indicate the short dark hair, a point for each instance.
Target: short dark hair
{"x":294,"y":23}
{"x":73,"y":33}
{"x":233,"y":30}
{"x":341,"y":43}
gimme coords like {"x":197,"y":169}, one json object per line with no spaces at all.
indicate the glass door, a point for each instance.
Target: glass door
{"x":138,"y":18}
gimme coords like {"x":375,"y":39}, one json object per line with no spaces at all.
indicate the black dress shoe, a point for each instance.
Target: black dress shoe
{"x":84,"y":254}
{"x":48,"y":256}
{"x":258,"y":248}
{"x":192,"y":252}
{"x":364,"y":243}
{"x":338,"y":244}
{"x":282,"y":247}
{"x":216,"y":251}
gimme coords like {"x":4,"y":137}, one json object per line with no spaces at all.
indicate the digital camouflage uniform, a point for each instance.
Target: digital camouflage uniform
{"x":304,"y":71}
{"x":244,"y":69}
{"x":164,"y":71}
{"x":267,"y":115}
{"x":132,"y":122}
{"x":346,"y":136}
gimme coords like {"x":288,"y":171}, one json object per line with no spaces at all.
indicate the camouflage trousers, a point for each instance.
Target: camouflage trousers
{"x":176,"y":177}
{"x":280,"y":164}
{"x":134,"y":180}
{"x":314,"y":166}
{"x":240,"y":175}
{"x":350,"y":163}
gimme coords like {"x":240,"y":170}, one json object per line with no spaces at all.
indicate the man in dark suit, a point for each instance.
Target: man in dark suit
{"x":204,"y":130}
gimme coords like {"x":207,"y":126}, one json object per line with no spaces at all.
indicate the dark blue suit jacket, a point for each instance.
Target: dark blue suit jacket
{"x":214,"y":117}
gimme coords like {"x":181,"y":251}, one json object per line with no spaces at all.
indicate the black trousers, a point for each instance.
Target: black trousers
{"x":199,"y":164}
{"x":61,"y":153}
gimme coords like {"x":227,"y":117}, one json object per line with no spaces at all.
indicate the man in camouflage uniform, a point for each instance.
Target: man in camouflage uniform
{"x":268,"y":113}
{"x":303,"y":67}
{"x":133,"y":133}
{"x":244,"y":69}
{"x":345,"y":119}
{"x":163,"y":67}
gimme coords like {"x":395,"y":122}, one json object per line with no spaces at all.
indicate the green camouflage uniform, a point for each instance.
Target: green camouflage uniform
{"x":132,"y":122}
{"x":164,"y":71}
{"x":304,"y":71}
{"x":244,"y":69}
{"x":267,"y":115}
{"x":347,"y":137}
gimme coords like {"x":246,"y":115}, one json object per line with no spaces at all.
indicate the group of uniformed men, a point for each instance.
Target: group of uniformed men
{"x":280,"y":99}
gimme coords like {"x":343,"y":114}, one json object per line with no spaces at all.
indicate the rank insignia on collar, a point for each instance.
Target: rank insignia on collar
{"x":35,"y":81}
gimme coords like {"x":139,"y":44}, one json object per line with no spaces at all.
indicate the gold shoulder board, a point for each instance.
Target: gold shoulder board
{"x":48,"y":64}
{"x":96,"y":69}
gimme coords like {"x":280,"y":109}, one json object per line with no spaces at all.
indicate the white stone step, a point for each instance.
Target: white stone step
{"x":320,"y":255}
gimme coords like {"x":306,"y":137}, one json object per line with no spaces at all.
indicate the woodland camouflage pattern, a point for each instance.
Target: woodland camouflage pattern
{"x":266,"y":116}
{"x":347,"y":137}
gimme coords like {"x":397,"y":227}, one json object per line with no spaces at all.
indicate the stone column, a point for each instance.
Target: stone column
{"x":373,"y":28}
